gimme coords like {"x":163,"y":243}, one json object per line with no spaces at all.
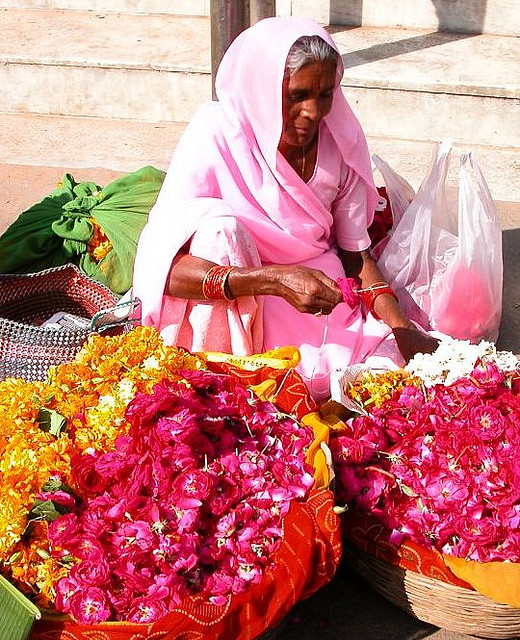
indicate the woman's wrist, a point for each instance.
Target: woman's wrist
{"x":251,"y":281}
{"x":390,"y":312}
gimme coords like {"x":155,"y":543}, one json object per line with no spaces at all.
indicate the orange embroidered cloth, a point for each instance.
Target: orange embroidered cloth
{"x":288,"y":390}
{"x":499,"y":581}
{"x":366,"y":533}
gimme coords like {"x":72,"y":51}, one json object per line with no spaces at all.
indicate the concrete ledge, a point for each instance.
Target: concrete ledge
{"x":500,"y":167}
{"x":499,"y":17}
{"x":117,"y":145}
{"x":172,"y":7}
{"x":86,"y":38}
{"x":407,"y":59}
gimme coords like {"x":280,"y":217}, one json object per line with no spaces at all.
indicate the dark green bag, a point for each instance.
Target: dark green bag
{"x":58,"y":229}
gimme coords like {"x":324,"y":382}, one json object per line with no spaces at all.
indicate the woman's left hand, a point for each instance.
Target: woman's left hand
{"x":411,"y":340}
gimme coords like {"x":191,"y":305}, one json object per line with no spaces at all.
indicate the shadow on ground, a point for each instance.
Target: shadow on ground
{"x":509,"y":337}
{"x":347,"y":608}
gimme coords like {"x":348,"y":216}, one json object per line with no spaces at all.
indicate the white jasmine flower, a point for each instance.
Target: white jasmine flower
{"x":454,"y":359}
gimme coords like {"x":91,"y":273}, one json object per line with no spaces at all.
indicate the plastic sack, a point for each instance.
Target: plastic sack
{"x":446,"y":266}
{"x":60,"y":229}
{"x":400,"y":192}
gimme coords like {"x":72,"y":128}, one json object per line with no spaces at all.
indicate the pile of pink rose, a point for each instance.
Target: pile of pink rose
{"x":432,"y":452}
{"x":137,"y":481}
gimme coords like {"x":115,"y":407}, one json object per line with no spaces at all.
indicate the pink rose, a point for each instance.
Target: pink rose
{"x":90,"y":606}
{"x":191,"y":489}
{"x":88,"y":573}
{"x":486,"y":422}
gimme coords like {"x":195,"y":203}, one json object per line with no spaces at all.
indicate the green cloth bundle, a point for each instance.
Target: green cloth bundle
{"x":57,"y":230}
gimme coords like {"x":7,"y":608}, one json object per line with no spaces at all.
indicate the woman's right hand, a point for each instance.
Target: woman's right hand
{"x":307,"y":290}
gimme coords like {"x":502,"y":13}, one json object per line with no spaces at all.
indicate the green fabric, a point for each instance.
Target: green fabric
{"x":57,"y":230}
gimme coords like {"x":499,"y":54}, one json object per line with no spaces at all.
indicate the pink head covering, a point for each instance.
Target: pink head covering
{"x":228,"y":163}
{"x":249,"y":89}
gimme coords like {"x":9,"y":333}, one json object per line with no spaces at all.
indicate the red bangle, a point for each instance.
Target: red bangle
{"x":215,"y":281}
{"x":369,"y":295}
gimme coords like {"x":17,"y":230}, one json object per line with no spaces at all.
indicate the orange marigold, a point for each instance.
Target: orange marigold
{"x":374,"y":389}
{"x":99,"y":244}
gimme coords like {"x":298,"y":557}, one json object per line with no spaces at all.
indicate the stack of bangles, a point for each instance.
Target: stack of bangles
{"x":215,"y":283}
{"x":368,"y":296}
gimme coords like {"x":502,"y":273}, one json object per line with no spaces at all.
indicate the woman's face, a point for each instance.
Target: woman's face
{"x":306,"y":99}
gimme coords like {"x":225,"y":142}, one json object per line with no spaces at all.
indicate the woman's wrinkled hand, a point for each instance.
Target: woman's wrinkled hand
{"x":308,"y":290}
{"x":412,"y":340}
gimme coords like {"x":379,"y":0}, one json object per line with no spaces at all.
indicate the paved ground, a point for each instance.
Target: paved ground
{"x":346,"y":608}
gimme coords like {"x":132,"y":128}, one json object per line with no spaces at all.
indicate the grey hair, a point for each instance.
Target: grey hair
{"x":309,"y":49}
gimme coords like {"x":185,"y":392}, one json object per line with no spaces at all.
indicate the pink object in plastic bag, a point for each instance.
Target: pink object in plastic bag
{"x":464,"y":307}
{"x":449,"y":264}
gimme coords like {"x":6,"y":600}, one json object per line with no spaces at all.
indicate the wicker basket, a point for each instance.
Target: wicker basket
{"x":28,"y":349}
{"x":439,"y":603}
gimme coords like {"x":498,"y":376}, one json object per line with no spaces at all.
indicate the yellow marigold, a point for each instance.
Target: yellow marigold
{"x":374,"y":389}
{"x":33,"y":570}
{"x":19,"y":406}
{"x":93,"y":390}
{"x":99,"y":244}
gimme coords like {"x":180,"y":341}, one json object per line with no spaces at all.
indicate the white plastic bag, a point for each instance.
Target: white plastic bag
{"x":400,"y":192}
{"x":446,"y":266}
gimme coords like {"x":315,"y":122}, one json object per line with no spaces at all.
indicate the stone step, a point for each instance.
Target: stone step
{"x":82,"y":142}
{"x":108,"y":65}
{"x":499,"y":17}
{"x":417,"y":85}
{"x":125,"y":145}
{"x":157,"y":67}
{"x":104,"y":68}
{"x":172,"y":7}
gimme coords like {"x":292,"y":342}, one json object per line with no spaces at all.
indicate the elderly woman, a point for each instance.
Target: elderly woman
{"x":265,"y":205}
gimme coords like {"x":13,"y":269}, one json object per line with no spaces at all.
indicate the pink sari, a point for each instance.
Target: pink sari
{"x":233,"y":196}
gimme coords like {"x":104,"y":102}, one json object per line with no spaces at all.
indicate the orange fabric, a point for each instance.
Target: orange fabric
{"x":280,"y":358}
{"x":366,"y":533}
{"x":306,"y":560}
{"x":499,"y":581}
{"x":290,"y":393}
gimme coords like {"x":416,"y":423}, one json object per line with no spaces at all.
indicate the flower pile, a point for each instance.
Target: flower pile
{"x":190,"y":501}
{"x":439,"y":464}
{"x":134,"y":477}
{"x":44,"y":424}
